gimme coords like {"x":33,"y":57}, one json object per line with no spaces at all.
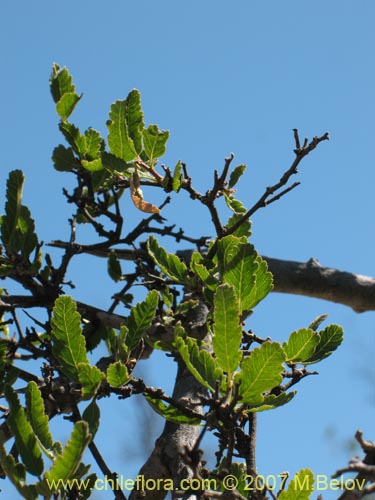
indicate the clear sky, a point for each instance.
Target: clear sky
{"x":222,"y":77}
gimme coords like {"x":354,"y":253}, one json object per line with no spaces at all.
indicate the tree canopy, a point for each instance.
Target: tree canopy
{"x":196,"y":305}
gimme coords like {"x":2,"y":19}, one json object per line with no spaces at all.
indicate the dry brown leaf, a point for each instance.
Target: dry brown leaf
{"x":137,"y":196}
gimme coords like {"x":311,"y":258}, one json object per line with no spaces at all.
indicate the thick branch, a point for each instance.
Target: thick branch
{"x":313,"y":280}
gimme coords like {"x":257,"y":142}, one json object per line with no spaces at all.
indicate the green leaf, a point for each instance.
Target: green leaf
{"x":134,"y":119}
{"x":300,"y":345}
{"x":171,"y":413}
{"x":114,"y":267}
{"x":92,"y":166}
{"x":67,"y":463}
{"x":61,"y":83}
{"x":245,"y":270}
{"x":271,"y":401}
{"x":263,"y":281}
{"x":68,"y":343}
{"x":92,"y":416}
{"x":93,"y":144}
{"x":66,"y":105}
{"x":26,"y":228}
{"x":16,"y":473}
{"x":238,"y":264}
{"x":243,"y":230}
{"x":261,"y":371}
{"x":235,"y":205}
{"x":329,"y":340}
{"x":37,"y":416}
{"x":200,"y":270}
{"x":87,"y":146}
{"x":119,"y":141}
{"x":154,"y":141}
{"x":314,"y":325}
{"x":63,"y":91}
{"x":169,"y":263}
{"x":140,"y":319}
{"x":201,"y":364}
{"x":12,"y":210}
{"x":300,"y":487}
{"x":177,"y":177}
{"x":23,"y":433}
{"x":227,"y":336}
{"x":117,"y":374}
{"x":115,"y":164}
{"x":64,"y":160}
{"x":90,"y":378}
{"x":73,"y":136}
{"x":235,"y":175}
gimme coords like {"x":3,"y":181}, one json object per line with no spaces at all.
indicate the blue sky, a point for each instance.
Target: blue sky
{"x":222,"y":77}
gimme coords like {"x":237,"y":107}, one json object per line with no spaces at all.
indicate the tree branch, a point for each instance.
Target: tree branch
{"x":313,"y":280}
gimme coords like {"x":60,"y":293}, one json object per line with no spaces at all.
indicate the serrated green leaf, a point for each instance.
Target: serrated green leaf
{"x":92,"y":416}
{"x":26,"y":227}
{"x":119,"y":142}
{"x":63,"y":91}
{"x":300,"y":488}
{"x":245,"y":270}
{"x":93,"y":144}
{"x":227,"y":329}
{"x":238,"y":264}
{"x":23,"y":433}
{"x":263,"y":281}
{"x":92,"y":166}
{"x":169,"y":263}
{"x":171,"y":413}
{"x":300,"y":345}
{"x":90,"y":378}
{"x":134,"y":119}
{"x":117,"y":374}
{"x":66,"y":105}
{"x":235,"y":175}
{"x":12,"y":209}
{"x":68,"y":343}
{"x":261,"y":371}
{"x":243,"y":230}
{"x":199,"y":362}
{"x":154,"y":142}
{"x":114,"y":267}
{"x":167,"y":297}
{"x":140,"y":319}
{"x":74,"y":137}
{"x":329,"y":340}
{"x":67,"y":463}
{"x":204,"y":274}
{"x":16,"y":472}
{"x":242,"y":268}
{"x":235,"y":205}
{"x":64,"y":160}
{"x":177,"y":177}
{"x":61,"y":82}
{"x":37,"y":416}
{"x":271,"y":401}
{"x":115,"y":164}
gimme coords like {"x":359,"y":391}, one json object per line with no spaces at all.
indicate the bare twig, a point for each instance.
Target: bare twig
{"x":264,"y":199}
